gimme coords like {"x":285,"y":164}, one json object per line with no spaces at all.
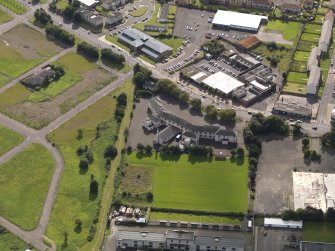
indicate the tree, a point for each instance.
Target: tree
{"x":196,"y":104}
{"x":122,"y":99}
{"x":149,"y":196}
{"x":139,"y":79}
{"x":109,"y":55}
{"x":254,"y":151}
{"x":94,"y":186}
{"x":78,"y":222}
{"x":88,"y":50}
{"x":184,"y":97}
{"x":330,"y":214}
{"x":227,"y":115}
{"x":110,"y":152}
{"x":240,"y":152}
{"x":42,"y":16}
{"x":148,"y":149}
{"x":83,"y":164}
{"x":79,"y":134}
{"x":211,"y":111}
{"x":296,"y":129}
{"x":140,"y":147}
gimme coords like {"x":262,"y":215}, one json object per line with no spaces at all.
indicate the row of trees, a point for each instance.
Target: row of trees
{"x":58,"y":33}
{"x":214,"y":47}
{"x":121,"y":103}
{"x":109,"y":55}
{"x":309,"y":213}
{"x":168,"y":87}
{"x":308,"y":153}
{"x":88,"y":50}
{"x":328,"y":139}
{"x":224,"y":115}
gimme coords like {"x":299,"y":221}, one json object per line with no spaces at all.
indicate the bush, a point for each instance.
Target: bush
{"x":94,"y":186}
{"x":149,"y":196}
{"x":109,"y":55}
{"x":42,"y":16}
{"x":60,"y":34}
{"x":83,"y":164}
{"x":240,"y":152}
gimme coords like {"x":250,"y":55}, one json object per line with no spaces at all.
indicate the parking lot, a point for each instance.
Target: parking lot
{"x":277,"y":239}
{"x":280,"y":157}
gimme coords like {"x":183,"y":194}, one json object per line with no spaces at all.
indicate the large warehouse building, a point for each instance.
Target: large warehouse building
{"x":223,"y":82}
{"x":240,"y":21}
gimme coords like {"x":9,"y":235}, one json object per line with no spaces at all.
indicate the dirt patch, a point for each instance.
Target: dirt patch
{"x":29,"y":43}
{"x":137,"y":179}
{"x":40,"y":114}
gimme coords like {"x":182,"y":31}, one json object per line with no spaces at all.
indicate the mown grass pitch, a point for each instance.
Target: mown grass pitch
{"x":319,"y":231}
{"x":24,"y":183}
{"x":8,"y":139}
{"x":196,"y":183}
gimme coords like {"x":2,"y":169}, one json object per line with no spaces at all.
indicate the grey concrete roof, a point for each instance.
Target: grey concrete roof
{"x":219,"y":241}
{"x":326,"y":33}
{"x":138,"y":38}
{"x":314,"y":57}
{"x":317,"y":246}
{"x":140,"y":236}
{"x":314,"y":76}
{"x":179,"y":235}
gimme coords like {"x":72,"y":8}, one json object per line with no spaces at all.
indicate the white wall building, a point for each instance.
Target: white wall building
{"x":279,"y":223}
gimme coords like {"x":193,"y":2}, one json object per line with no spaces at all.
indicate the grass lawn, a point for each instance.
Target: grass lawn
{"x":74,"y":187}
{"x":313,"y":28}
{"x":25,"y":180}
{"x":122,"y":68}
{"x":103,"y":10}
{"x":147,"y":59}
{"x":16,"y":7}
{"x":298,"y":66}
{"x":139,"y":12}
{"x":290,"y":30}
{"x":297,"y":77}
{"x":14,"y":95}
{"x":295,"y":88}
{"x":9,"y":139}
{"x":301,"y":56}
{"x":318,"y":231}
{"x":9,"y":241}
{"x":4,"y":17}
{"x":310,"y":37}
{"x":70,"y":63}
{"x":175,"y":43}
{"x":193,"y":218}
{"x":306,"y":46}
{"x":319,"y":18}
{"x":3,"y":80}
{"x":196,"y":183}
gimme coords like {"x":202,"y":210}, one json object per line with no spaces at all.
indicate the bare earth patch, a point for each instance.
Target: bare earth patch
{"x":40,"y":114}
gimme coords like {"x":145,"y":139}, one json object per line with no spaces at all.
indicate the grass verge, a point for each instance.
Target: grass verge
{"x":319,"y":231}
{"x":9,"y":139}
{"x":14,"y":6}
{"x":139,"y":12}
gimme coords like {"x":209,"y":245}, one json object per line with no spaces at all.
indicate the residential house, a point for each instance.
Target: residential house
{"x":113,"y":4}
{"x":40,"y":79}
{"x":292,"y":6}
{"x":326,"y":33}
{"x":262,"y":4}
{"x":314,"y":58}
{"x":314,"y":80}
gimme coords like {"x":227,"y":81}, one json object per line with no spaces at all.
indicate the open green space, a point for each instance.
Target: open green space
{"x":122,"y":68}
{"x":318,"y":231}
{"x":24,"y":183}
{"x":3,"y":80}
{"x":193,"y":218}
{"x":175,"y":43}
{"x":319,"y":18}
{"x":298,"y":66}
{"x":139,"y":12}
{"x":103,"y":10}
{"x":196,"y":183}
{"x":310,"y":37}
{"x":283,"y":56}
{"x":295,"y":88}
{"x":313,"y":28}
{"x":9,"y":139}
{"x":4,"y":17}
{"x":14,"y":95}
{"x":74,"y":65}
{"x":290,"y":30}
{"x":297,"y":77}
{"x":74,"y":189}
{"x":9,"y":241}
{"x":14,"y":6}
{"x":18,"y":55}
{"x":301,"y":56}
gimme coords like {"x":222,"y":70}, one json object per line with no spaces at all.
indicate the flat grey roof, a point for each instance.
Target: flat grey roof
{"x":140,"y":236}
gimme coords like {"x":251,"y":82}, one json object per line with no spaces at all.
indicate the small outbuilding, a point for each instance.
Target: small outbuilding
{"x":279,"y":223}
